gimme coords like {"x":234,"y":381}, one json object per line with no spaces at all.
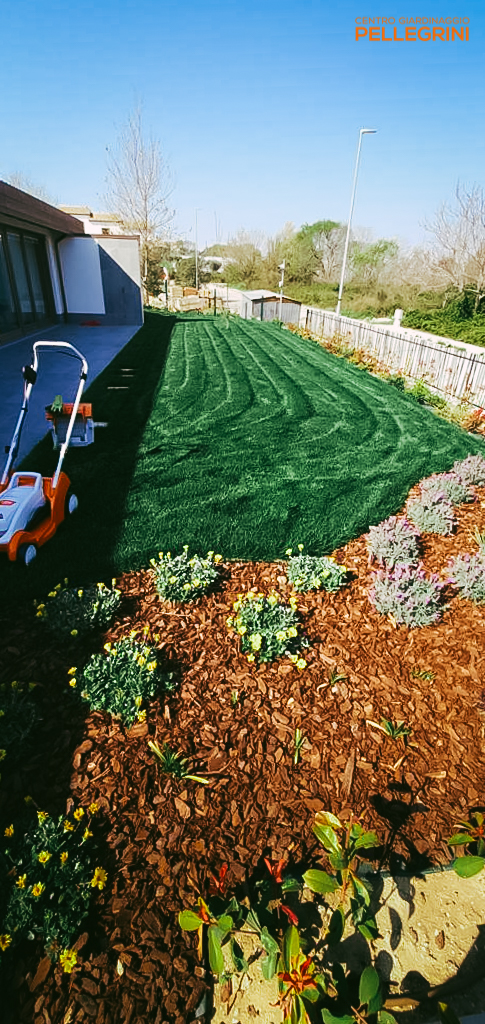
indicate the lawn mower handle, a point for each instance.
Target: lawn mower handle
{"x":30,"y":377}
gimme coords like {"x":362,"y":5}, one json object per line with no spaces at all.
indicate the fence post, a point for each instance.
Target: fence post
{"x":262,"y":308}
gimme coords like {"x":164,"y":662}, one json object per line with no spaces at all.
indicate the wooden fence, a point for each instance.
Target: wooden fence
{"x":458,"y":373}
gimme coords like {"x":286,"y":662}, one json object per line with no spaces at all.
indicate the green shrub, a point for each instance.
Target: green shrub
{"x":467,"y":572}
{"x":407,"y":595}
{"x":424,"y":396}
{"x":393,"y":542}
{"x":18,"y":715}
{"x":75,"y":611}
{"x":50,"y":881}
{"x":432,"y":513}
{"x":309,"y":572}
{"x":471,"y":470}
{"x":120,"y":680}
{"x":451,"y":485}
{"x":268,"y":627}
{"x":182,"y":578}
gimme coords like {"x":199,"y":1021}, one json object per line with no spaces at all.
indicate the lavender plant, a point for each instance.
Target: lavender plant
{"x":393,"y":542}
{"x":471,"y":470}
{"x":453,"y":487}
{"x":407,"y":595}
{"x":432,"y":512}
{"x":467,"y":572}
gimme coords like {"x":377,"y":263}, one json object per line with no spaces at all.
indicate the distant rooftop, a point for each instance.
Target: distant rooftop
{"x":85,"y":211}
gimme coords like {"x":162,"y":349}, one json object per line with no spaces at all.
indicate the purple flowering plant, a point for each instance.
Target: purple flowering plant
{"x":393,"y":542}
{"x":407,"y":595}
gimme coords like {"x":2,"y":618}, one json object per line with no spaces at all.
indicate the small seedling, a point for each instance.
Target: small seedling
{"x":298,"y":741}
{"x":479,"y":537}
{"x":336,"y":677}
{"x":172,"y":762}
{"x":234,"y":698}
{"x":417,"y":673}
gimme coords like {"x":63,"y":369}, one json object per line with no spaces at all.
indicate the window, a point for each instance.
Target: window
{"x":8,"y":319}
{"x":25,"y":295}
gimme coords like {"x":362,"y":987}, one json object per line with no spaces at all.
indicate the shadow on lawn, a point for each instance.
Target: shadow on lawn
{"x":122,"y":395}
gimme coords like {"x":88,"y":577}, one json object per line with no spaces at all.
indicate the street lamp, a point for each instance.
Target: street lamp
{"x":363,"y":131}
{"x":281,"y":283}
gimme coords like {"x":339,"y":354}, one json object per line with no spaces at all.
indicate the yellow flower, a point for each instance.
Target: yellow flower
{"x":293,"y":658}
{"x":39,"y":614}
{"x":73,"y":632}
{"x":3,"y":754}
{"x":242,"y":630}
{"x":301,"y":663}
{"x":87,"y":833}
{"x":196,"y":583}
{"x":9,"y":831}
{"x":68,"y":960}
{"x":236,"y":606}
{"x":53,"y":593}
{"x":288,"y":551}
{"x":107,"y":646}
{"x":256,"y":640}
{"x":72,"y":671}
{"x":151,"y":666}
{"x":293,"y":604}
{"x":113,"y":581}
{"x":217,"y":558}
{"x":64,"y":856}
{"x":42,"y":816}
{"x":93,"y":808}
{"x":300,"y":547}
{"x":73,"y":682}
{"x":5,"y":941}
{"x":21,"y":880}
{"x":281,"y":635}
{"x":68,"y":826}
{"x":141,"y":716}
{"x":28,"y":800}
{"x":79,"y":813}
{"x":80,"y":593}
{"x":250,"y":657}
{"x":99,"y":878}
{"x":44,"y":857}
{"x":229,"y":621}
{"x":37,"y":890}
{"x":291,"y":632}
{"x":272,"y":600}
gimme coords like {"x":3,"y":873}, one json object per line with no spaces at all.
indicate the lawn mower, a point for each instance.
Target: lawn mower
{"x":33,"y":506}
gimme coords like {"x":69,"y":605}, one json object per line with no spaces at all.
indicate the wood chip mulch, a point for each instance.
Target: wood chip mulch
{"x":162,"y":837}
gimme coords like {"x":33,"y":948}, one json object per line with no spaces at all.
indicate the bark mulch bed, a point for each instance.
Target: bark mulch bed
{"x":163,"y":837}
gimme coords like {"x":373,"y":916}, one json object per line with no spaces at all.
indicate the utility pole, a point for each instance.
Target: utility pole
{"x":363,"y":131}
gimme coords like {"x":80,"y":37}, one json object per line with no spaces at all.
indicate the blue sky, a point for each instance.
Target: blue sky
{"x":257,"y":107}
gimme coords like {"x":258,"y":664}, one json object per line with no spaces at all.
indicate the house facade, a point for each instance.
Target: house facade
{"x":53,"y":271}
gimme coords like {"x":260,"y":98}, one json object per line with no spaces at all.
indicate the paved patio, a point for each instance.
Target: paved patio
{"x":58,"y":374}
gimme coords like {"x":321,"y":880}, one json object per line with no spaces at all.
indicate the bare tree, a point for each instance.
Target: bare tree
{"x":458,"y":255}
{"x":22,"y":181}
{"x":140,"y":185}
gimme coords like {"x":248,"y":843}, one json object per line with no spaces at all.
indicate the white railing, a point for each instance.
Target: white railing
{"x":455,"y":369}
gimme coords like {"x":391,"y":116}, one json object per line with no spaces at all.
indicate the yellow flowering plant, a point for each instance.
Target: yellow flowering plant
{"x":19,"y":714}
{"x":75,"y":611}
{"x":268,"y":627}
{"x":121,"y":679}
{"x":47,"y":866}
{"x":184,"y":577}
{"x":311,"y":572}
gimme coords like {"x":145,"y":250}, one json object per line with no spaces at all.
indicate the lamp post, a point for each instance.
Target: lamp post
{"x":281,"y":283}
{"x":363,"y":131}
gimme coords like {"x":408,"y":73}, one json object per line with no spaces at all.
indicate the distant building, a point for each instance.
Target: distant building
{"x":98,"y":223}
{"x":59,"y":267}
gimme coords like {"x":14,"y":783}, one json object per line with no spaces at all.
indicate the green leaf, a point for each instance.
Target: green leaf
{"x":291,"y":946}
{"x":216,"y":957}
{"x":268,"y":966}
{"x":268,"y":943}
{"x":466,"y":867}
{"x":189,"y":921}
{"x":326,"y":836}
{"x":459,"y":840}
{"x":367,"y":840}
{"x":325,"y":816}
{"x":336,"y":927}
{"x":368,"y":985}
{"x":319,"y":881}
{"x":330,"y":1019}
{"x":447,"y":1015}
{"x":225,"y":923}
{"x":361,"y":890}
{"x":311,"y":994}
{"x":290,"y":885}
{"x":369,"y":929}
{"x":239,"y":960}
{"x":252,"y":920}
{"x":383,"y":1017}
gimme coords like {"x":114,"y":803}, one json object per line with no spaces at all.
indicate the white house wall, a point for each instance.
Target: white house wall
{"x":81,"y":274}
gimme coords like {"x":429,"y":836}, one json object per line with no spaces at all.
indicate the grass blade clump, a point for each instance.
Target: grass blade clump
{"x":180,"y":578}
{"x":393,"y":542}
{"x":471,"y":470}
{"x":310,"y":572}
{"x":120,"y":680}
{"x":467,"y":572}
{"x":407,"y":595}
{"x":432,"y":512}
{"x":75,"y":611}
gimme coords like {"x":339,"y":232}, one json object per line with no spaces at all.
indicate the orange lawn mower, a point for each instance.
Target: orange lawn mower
{"x":32,"y":506}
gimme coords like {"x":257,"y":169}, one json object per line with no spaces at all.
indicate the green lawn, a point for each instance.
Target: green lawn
{"x":240,"y":437}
